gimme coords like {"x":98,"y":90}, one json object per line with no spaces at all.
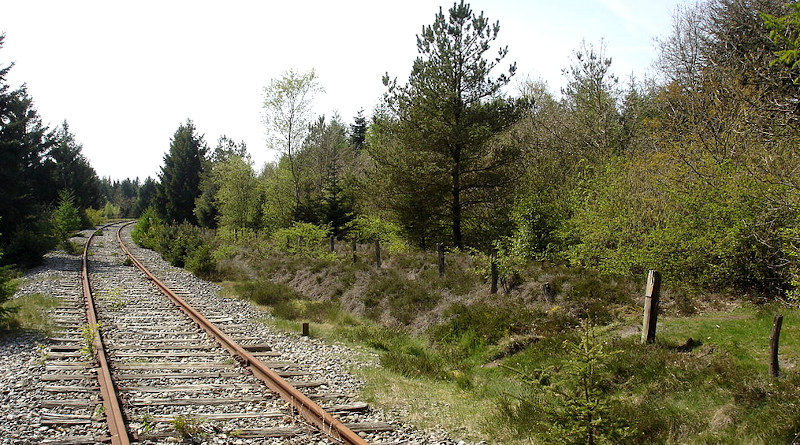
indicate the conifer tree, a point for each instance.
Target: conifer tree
{"x":440,"y":147}
{"x":179,"y":181}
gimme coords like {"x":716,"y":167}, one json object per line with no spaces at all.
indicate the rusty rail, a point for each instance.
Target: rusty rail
{"x":309,"y":410}
{"x":113,"y":411}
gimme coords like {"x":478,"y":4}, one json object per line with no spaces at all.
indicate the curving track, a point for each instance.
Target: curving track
{"x":166,"y":368}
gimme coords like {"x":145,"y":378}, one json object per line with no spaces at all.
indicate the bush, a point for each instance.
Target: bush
{"x":305,"y":239}
{"x":66,"y":217}
{"x":265,"y":292}
{"x":366,"y":229}
{"x":31,"y":241}
{"x":405,"y":297}
{"x":7,"y":289}
{"x":487,"y":322}
{"x":94,"y":217}
{"x":201,"y":261}
{"x":148,"y":230}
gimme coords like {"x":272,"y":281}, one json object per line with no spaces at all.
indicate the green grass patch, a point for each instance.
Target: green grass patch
{"x":29,"y":312}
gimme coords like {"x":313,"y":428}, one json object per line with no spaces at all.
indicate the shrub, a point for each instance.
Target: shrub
{"x":66,"y":217}
{"x":31,"y":241}
{"x":265,"y":292}
{"x":201,"y":261}
{"x":366,"y":228}
{"x":489,"y":323}
{"x":148,"y":230}
{"x":94,"y":217}
{"x":305,"y":239}
{"x":405,"y":297}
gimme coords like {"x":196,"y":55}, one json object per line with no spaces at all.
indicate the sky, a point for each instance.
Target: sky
{"x":125,"y":75}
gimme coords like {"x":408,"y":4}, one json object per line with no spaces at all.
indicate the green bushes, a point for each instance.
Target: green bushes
{"x":182,"y":245}
{"x":264,"y":292}
{"x":405,"y":297}
{"x":304,"y":239}
{"x":66,"y":219}
{"x":711,"y":229}
{"x":148,"y":230}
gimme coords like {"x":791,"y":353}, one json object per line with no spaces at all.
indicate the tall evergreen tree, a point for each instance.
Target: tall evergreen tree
{"x":71,"y":170}
{"x":179,"y":181}
{"x":443,"y":127}
{"x":358,"y":130}
{"x":25,"y":181}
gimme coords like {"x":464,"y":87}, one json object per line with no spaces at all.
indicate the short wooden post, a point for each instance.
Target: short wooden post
{"x":651,"y":296}
{"x":305,"y":330}
{"x":494,"y":270}
{"x":440,"y":251}
{"x":333,"y":243}
{"x":378,"y":253}
{"x":355,"y":248}
{"x":773,"y":345}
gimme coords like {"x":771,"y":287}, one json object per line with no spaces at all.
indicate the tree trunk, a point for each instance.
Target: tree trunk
{"x":456,"y":205}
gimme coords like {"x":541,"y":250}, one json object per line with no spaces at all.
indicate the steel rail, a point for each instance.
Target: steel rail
{"x":113,"y":410}
{"x":309,"y":410}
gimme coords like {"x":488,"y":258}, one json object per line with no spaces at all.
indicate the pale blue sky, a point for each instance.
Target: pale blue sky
{"x":125,"y":75}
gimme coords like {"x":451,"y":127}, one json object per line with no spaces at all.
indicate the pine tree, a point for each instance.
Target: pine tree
{"x":358,"y":130}
{"x":440,"y":147}
{"x":179,"y":181}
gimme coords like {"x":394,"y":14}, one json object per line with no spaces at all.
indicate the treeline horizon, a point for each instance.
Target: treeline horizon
{"x":694,"y":173}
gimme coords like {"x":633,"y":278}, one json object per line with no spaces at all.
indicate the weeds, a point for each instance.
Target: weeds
{"x":188,"y":426}
{"x":89,"y":332}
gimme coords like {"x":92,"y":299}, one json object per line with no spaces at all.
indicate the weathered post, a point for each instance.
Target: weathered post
{"x":773,"y":345}
{"x":355,"y":247}
{"x":378,"y":253}
{"x":440,"y":251}
{"x":494,"y":270}
{"x":305,"y":329}
{"x":651,"y":296}
{"x":333,"y":243}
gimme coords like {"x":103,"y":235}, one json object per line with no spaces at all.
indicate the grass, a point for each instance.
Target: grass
{"x":502,"y":369}
{"x":743,"y":332}
{"x":29,"y":313}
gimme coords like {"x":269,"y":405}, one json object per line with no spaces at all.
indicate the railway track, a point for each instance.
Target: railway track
{"x":157,"y":362}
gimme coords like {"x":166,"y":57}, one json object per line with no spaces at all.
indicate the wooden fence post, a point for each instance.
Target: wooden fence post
{"x":305,"y":330}
{"x":651,"y":296}
{"x":378,"y":253}
{"x":494,"y":270}
{"x":773,"y":345}
{"x":440,"y":251}
{"x":333,"y":243}
{"x":355,"y":248}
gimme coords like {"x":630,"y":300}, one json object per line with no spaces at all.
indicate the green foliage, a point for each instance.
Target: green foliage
{"x":188,"y":426}
{"x":7,"y":289}
{"x":572,"y":402}
{"x":265,"y":292}
{"x":95,"y":217}
{"x":712,"y":231}
{"x":148,"y":230}
{"x":179,"y":180}
{"x":785,"y":32}
{"x":439,"y":141}
{"x":368,"y":228}
{"x":88,"y":333}
{"x":181,"y":242}
{"x":405,"y":297}
{"x":237,"y":196}
{"x":66,"y":217}
{"x":111,"y":211}
{"x":304,"y":239}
